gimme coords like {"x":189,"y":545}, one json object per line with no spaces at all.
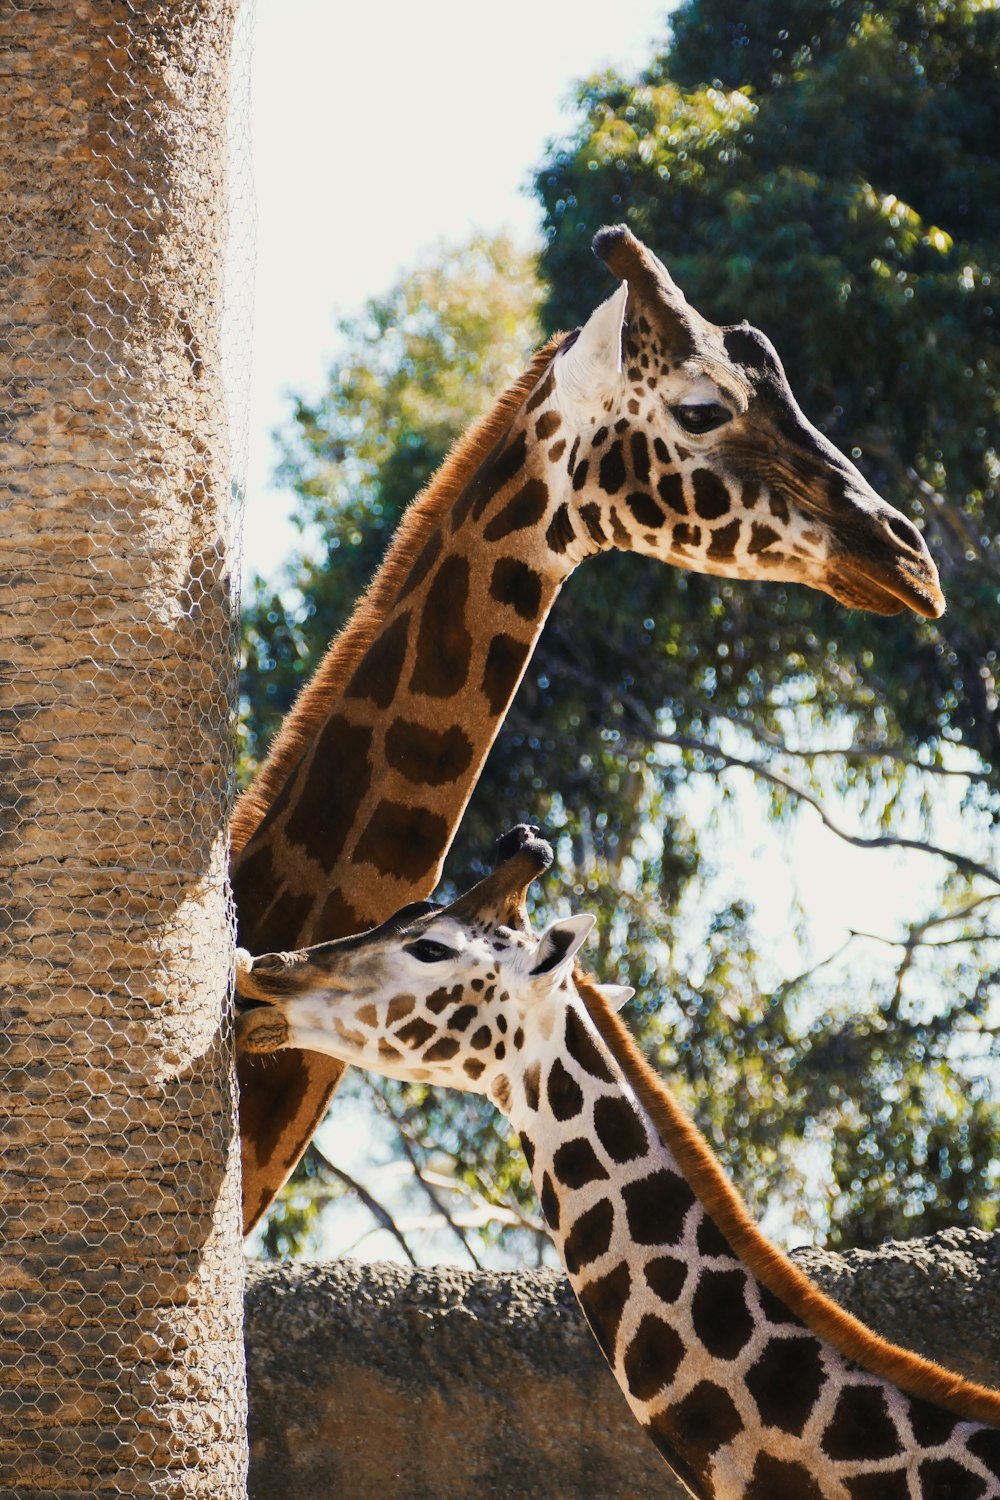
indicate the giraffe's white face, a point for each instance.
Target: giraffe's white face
{"x":440,"y":999}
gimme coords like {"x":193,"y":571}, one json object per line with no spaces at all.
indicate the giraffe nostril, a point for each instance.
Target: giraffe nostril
{"x":904,"y":531}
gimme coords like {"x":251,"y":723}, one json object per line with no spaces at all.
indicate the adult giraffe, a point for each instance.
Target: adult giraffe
{"x":650,"y":430}
{"x":750,"y":1382}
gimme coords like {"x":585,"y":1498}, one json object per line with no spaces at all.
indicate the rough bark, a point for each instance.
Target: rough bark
{"x":384,"y":1383}
{"x":120,"y":1267}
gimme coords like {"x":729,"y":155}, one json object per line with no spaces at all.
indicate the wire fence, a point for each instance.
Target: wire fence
{"x":124,"y":212}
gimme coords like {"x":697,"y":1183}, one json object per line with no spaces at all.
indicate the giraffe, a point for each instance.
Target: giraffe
{"x":650,"y":430}
{"x":752,"y":1384}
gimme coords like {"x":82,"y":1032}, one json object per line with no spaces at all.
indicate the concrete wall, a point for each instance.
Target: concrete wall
{"x":376,"y":1382}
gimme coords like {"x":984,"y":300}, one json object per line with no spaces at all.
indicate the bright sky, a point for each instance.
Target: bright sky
{"x":377,"y":130}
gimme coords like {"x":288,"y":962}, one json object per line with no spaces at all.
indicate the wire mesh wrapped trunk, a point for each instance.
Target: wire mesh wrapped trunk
{"x":121,"y":1369}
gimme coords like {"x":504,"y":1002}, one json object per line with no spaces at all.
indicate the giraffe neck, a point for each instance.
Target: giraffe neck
{"x":360,"y":810}
{"x":751,"y":1383}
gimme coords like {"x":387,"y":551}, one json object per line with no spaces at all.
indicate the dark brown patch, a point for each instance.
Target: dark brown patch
{"x":442,"y":1050}
{"x":750,"y":494}
{"x":481,"y":1038}
{"x":401,"y":840}
{"x":644,"y":508}
{"x":426,"y":558}
{"x":559,"y":533}
{"x":652,"y":1358}
{"x":894,"y":1486}
{"x":620,"y":536}
{"x":582,"y":1048}
{"x":710,"y":1239}
{"x":761,"y":537}
{"x":619,"y":1129}
{"x":590,"y":1236}
{"x":439,"y":1000}
{"x":526,"y":508}
{"x":686,"y":536}
{"x":501,"y":1092}
{"x":666,"y":1276}
{"x":670,"y":488}
{"x":575,"y":1164}
{"x":549,"y":1201}
{"x":444,"y":644}
{"x":622,"y":424}
{"x":541,"y":392}
{"x":462,"y":1017}
{"x":600,"y":437}
{"x":416,"y":1032}
{"x":590,"y":515}
{"x":657,"y":1206}
{"x":662,"y":451}
{"x":723,"y":540}
{"x":931,"y":1425}
{"x":518,"y":1039}
{"x":611,"y":475}
{"x":603,"y":1302}
{"x":376,"y":677}
{"x":527,"y":1146}
{"x":387,"y":1050}
{"x":504,"y":663}
{"x":946,"y":1479}
{"x":580,"y":474}
{"x":320,"y":825}
{"x":556,"y":451}
{"x":399,"y":1008}
{"x":516,"y":584}
{"x":285,"y":916}
{"x":531,"y":1083}
{"x":565,"y":1094}
{"x":474,"y":1068}
{"x":500,"y":1051}
{"x":720,"y":1314}
{"x":860,"y":1426}
{"x":367,"y":1016}
{"x":985,"y":1444}
{"x":786,"y":1382}
{"x":781,"y":1479}
{"x":639,"y":449}
{"x":548,"y":423}
{"x":427,"y":757}
{"x":711,"y":498}
{"x":700,"y":1425}
{"x":778,"y":507}
{"x":774,"y":1310}
{"x":498,"y":470}
{"x":337,"y":919}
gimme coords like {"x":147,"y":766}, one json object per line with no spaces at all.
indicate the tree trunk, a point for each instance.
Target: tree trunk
{"x":121,"y":1369}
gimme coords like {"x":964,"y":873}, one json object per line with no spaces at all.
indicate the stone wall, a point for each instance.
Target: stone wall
{"x":377,"y":1382}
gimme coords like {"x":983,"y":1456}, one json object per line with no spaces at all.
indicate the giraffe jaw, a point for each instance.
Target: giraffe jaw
{"x":888,"y":593}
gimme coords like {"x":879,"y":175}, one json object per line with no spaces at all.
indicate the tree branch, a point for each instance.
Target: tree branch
{"x":377,"y":1210}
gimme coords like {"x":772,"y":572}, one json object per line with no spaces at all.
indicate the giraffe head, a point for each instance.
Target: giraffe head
{"x":684,"y":442}
{"x":446,"y":995}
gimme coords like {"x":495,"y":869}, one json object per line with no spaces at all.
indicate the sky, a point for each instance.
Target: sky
{"x":378,"y":130}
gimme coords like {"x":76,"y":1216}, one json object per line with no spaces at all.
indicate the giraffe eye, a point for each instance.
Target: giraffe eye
{"x":429,"y":952}
{"x":701,"y":416}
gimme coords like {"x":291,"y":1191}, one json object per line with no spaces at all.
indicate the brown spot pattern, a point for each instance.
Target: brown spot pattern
{"x":619,"y":1129}
{"x":427,"y":757}
{"x":589,"y":1237}
{"x":565,"y":1094}
{"x":652,"y":1358}
{"x":517,"y":585}
{"x":860,"y":1426}
{"x":402,"y":840}
{"x":582,"y":1049}
{"x":444,"y":644}
{"x":719,"y":1311}
{"x":785,"y":1382}
{"x":524,"y":509}
{"x":644,"y":508}
{"x":504,"y":663}
{"x":575,"y":1163}
{"x":320,"y":826}
{"x":377,"y":675}
{"x":611,"y":475}
{"x":603,"y":1302}
{"x":724,"y":539}
{"x":781,"y":1479}
{"x":711,"y":498}
{"x":656,"y":1207}
{"x":666,"y":1275}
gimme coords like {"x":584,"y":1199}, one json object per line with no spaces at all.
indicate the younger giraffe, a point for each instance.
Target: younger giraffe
{"x":650,"y":430}
{"x":751,"y":1383}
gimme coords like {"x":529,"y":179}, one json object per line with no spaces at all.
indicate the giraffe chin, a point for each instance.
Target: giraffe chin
{"x":886,"y":596}
{"x":261,"y":1028}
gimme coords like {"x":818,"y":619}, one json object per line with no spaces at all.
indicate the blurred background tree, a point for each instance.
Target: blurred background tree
{"x":832,"y":174}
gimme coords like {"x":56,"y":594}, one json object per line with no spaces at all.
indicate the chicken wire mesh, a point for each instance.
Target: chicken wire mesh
{"x":121,"y":1367}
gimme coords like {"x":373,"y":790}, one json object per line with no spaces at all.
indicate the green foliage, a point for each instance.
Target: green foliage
{"x":831,"y":174}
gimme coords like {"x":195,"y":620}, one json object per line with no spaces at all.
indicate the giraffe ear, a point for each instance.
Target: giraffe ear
{"x":558,"y":945}
{"x":616,"y":995}
{"x":593,"y":362}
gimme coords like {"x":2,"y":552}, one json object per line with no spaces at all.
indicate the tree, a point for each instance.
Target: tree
{"x":121,"y":1257}
{"x":646,"y":683}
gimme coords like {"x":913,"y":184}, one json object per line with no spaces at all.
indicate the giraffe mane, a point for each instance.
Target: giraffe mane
{"x":912,"y":1373}
{"x":312,"y":706}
